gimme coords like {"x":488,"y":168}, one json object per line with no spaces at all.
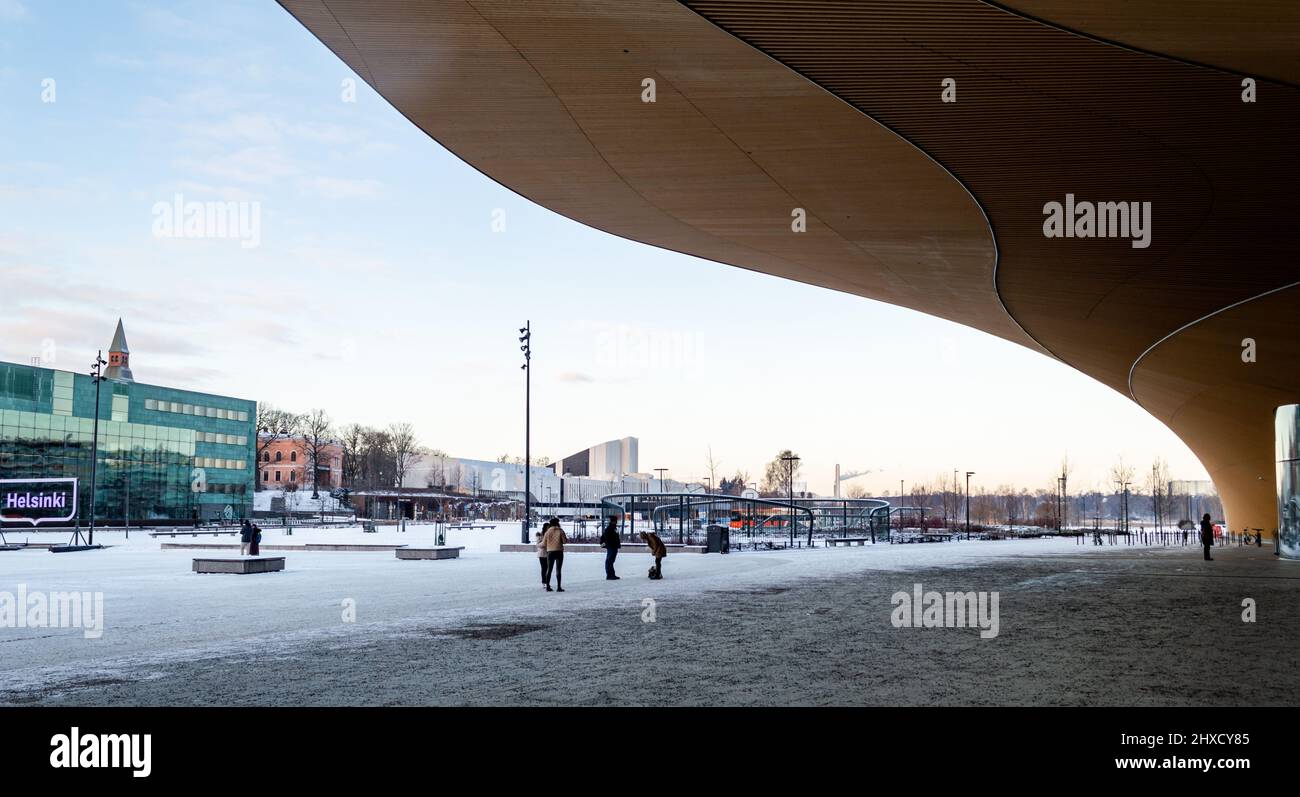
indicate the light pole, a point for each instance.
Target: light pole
{"x":96,"y":376}
{"x":660,"y":471}
{"x":525,"y":337}
{"x":969,"y":474}
{"x":790,"y":460}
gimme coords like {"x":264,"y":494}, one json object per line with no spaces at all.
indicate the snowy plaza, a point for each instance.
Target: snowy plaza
{"x":1079,"y":624}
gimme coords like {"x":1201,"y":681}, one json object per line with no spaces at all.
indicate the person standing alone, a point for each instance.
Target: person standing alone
{"x":611,"y":543}
{"x":554,"y":540}
{"x":658,"y":550}
{"x":1207,"y":536}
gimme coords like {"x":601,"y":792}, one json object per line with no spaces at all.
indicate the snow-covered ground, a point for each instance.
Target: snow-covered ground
{"x":156,"y":610}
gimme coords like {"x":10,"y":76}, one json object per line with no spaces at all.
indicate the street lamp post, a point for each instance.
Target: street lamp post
{"x":660,"y":471}
{"x":96,"y":376}
{"x":525,"y":337}
{"x":969,"y":474}
{"x":790,"y":463}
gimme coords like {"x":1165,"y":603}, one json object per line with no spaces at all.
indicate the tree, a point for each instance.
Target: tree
{"x":735,"y":485}
{"x":352,"y":439}
{"x":1121,"y":474}
{"x":273,"y":425}
{"x":778,"y":476}
{"x":405,"y":449}
{"x":855,"y":491}
{"x":1160,"y":500}
{"x":315,"y":428}
{"x":712,"y":465}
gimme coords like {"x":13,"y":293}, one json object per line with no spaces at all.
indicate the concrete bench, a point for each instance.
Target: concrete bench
{"x":368,"y":528}
{"x":261,"y":564}
{"x":193,"y":533}
{"x":436,"y":552}
{"x":831,"y":542}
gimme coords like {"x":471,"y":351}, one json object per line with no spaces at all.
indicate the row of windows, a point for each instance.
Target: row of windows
{"x":217,"y":462}
{"x":293,"y":476}
{"x":228,"y":489}
{"x":279,"y":455}
{"x":225,"y":439}
{"x":196,"y":409}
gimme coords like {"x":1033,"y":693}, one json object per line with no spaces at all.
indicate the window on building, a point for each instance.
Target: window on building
{"x":266,"y":456}
{"x":293,"y":475}
{"x":293,"y":456}
{"x":277,"y":475}
{"x":278,"y":455}
{"x":264,"y":474}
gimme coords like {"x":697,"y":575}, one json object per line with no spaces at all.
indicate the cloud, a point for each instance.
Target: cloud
{"x":12,"y":10}
{"x":575,"y":377}
{"x":341,"y":188}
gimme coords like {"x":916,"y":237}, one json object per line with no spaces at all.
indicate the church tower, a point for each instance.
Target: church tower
{"x":119,"y":357}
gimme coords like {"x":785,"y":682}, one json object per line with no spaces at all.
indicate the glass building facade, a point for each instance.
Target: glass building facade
{"x":164,"y":456}
{"x":1287,"y":427}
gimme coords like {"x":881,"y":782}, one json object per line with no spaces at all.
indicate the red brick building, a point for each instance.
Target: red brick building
{"x":286,"y":463}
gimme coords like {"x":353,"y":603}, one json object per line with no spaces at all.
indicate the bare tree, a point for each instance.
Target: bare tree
{"x":352,"y":439}
{"x":315,"y":429}
{"x":273,"y":425}
{"x":712,"y":465}
{"x":405,"y":449}
{"x":1160,"y":499}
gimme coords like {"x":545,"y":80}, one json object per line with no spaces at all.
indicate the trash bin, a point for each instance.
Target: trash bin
{"x":719,"y":539}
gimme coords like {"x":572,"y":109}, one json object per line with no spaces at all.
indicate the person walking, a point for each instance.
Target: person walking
{"x":255,"y":541}
{"x":1207,"y":536}
{"x":541,"y":555}
{"x":554,"y":540}
{"x":658,"y":550}
{"x":611,"y":543}
{"x":245,"y":537}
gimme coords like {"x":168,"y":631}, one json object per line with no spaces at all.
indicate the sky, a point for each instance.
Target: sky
{"x":389,"y":279}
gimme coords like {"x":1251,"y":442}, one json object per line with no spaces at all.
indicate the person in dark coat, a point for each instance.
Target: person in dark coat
{"x":1207,"y":536}
{"x":610,"y":541}
{"x":245,"y":537}
{"x":255,"y":540}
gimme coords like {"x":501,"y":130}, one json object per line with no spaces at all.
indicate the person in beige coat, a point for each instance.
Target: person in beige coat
{"x":554,"y":541}
{"x":658,"y":550}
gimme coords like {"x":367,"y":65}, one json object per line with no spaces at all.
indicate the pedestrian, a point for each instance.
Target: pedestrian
{"x":245,"y":537}
{"x":611,"y":543}
{"x":541,"y":555}
{"x":554,"y":540}
{"x":658,"y":550}
{"x":1207,"y":536}
{"x":255,"y":541}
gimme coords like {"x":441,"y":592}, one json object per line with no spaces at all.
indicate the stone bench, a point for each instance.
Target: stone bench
{"x":831,"y":542}
{"x":436,"y":552}
{"x":261,"y":564}
{"x":193,"y":533}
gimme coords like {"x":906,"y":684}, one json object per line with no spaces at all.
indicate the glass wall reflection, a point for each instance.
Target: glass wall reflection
{"x":1287,"y":439}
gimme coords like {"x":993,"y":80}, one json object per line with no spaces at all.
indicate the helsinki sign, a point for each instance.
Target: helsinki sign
{"x":37,"y":501}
